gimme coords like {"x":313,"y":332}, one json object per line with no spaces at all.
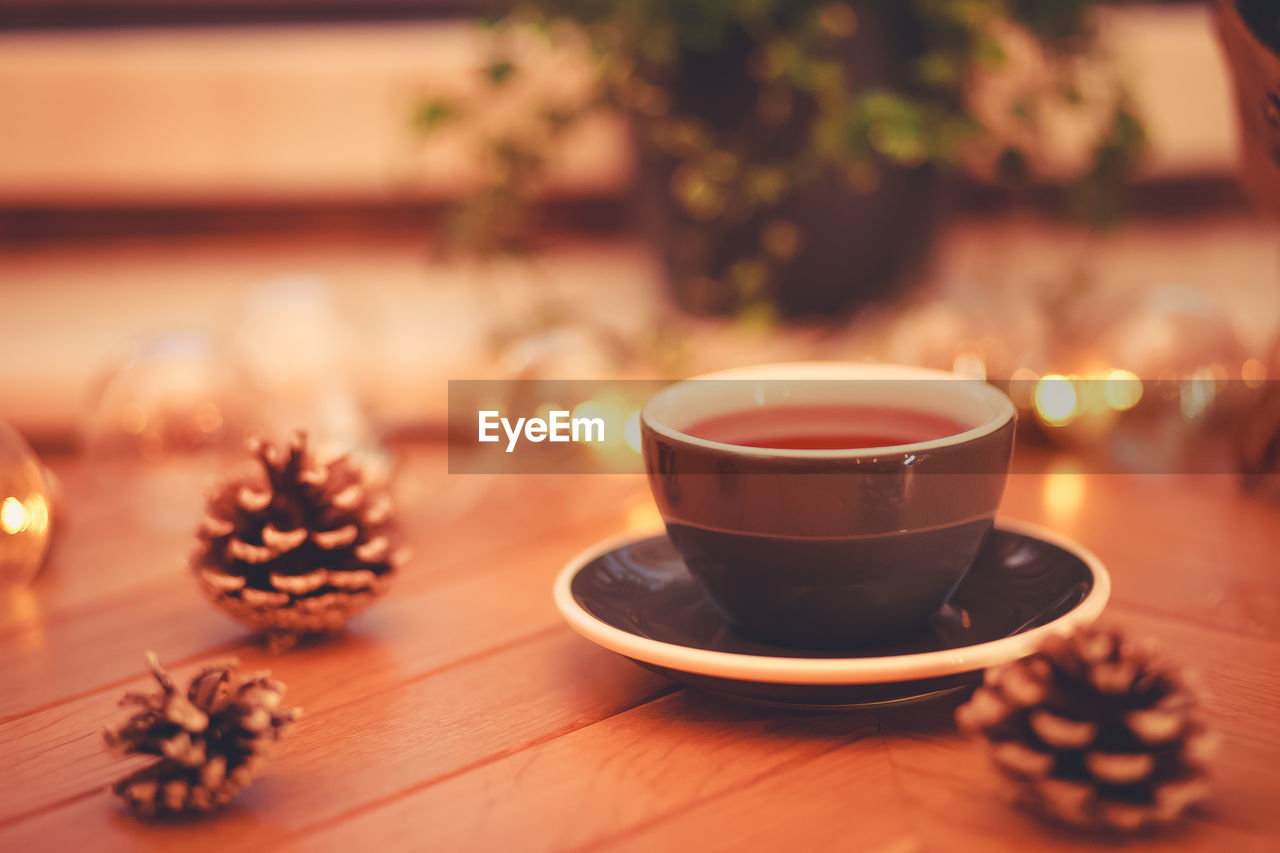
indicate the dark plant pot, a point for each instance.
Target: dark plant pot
{"x":855,"y":246}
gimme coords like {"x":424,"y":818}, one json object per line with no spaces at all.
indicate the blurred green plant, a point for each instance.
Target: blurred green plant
{"x":796,"y":61}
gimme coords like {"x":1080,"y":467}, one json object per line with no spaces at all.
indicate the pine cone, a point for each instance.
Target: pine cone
{"x":1095,"y":732}
{"x":210,"y":741}
{"x":300,"y":546}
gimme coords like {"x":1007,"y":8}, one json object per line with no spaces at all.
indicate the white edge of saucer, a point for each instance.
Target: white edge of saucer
{"x":878,"y":670}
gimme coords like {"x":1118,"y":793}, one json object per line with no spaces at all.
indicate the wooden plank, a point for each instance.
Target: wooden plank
{"x":658,"y":769}
{"x":956,"y":802}
{"x":947,"y":798}
{"x":652,"y":766}
{"x":928,"y":792}
{"x":1220,"y":573}
{"x":371,"y":743}
{"x":459,"y":714}
{"x":88,"y":560}
{"x":664,"y":757}
{"x":45,"y":663}
{"x":848,"y":798}
{"x":161,"y":505}
{"x":404,"y":637}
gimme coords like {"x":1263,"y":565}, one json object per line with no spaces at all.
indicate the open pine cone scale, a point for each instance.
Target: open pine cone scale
{"x":1096,"y":732}
{"x":299,"y":546}
{"x":208,"y":742}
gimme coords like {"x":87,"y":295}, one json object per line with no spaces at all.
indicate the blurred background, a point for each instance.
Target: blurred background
{"x":222,"y":216}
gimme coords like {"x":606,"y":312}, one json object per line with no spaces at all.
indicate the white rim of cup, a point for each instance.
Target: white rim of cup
{"x":875,"y":670}
{"x":833,"y":370}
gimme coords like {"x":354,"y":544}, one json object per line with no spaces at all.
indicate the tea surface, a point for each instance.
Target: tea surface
{"x":825,"y":427}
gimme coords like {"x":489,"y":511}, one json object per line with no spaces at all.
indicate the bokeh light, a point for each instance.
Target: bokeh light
{"x":1122,"y":389}
{"x":1056,"y":400}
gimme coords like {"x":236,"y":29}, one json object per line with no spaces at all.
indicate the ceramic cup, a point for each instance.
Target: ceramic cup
{"x":828,"y":548}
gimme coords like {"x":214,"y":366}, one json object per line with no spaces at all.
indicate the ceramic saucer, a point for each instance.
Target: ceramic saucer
{"x":633,"y":595}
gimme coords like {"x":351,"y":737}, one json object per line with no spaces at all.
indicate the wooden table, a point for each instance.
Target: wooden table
{"x":461,"y":714}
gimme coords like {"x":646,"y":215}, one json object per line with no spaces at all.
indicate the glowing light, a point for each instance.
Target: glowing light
{"x":1064,"y":493}
{"x":37,"y":514}
{"x":631,"y":432}
{"x":591,"y":409}
{"x":1056,"y":400}
{"x":619,"y":447}
{"x":544,"y":411}
{"x":1253,"y":372}
{"x":969,"y":364}
{"x":643,"y":514}
{"x":13,"y":516}
{"x":1196,"y":394}
{"x":1122,"y":389}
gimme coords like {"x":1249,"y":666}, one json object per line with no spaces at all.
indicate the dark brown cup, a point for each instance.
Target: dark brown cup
{"x":828,"y":548}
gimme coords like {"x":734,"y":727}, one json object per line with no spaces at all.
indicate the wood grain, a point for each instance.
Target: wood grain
{"x":459,"y":714}
{"x":80,"y":647}
{"x":605,"y":779}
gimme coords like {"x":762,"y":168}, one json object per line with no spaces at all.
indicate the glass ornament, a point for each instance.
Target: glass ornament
{"x":26,"y":510}
{"x":170,"y":412}
{"x":170,"y":394}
